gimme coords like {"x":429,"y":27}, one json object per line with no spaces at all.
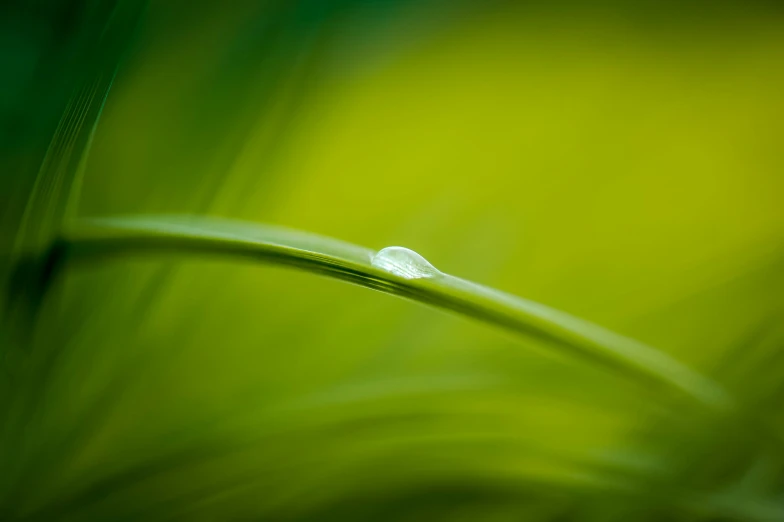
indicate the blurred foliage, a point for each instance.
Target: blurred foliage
{"x":620,"y":161}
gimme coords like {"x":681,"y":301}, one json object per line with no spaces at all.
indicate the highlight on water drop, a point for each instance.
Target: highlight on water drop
{"x":403,"y":262}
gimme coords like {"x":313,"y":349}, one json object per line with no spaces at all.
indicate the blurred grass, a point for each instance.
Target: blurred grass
{"x":619,"y":162}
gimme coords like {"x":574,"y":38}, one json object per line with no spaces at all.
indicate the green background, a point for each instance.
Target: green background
{"x":619,"y":161}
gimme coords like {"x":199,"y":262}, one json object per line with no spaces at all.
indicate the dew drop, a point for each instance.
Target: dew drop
{"x":403,"y":262}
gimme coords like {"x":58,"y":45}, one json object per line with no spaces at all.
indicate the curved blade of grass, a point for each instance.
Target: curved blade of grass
{"x":97,"y":238}
{"x":94,"y":51}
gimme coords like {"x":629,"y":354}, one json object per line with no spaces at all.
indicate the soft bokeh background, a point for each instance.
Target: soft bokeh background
{"x":620,"y":161}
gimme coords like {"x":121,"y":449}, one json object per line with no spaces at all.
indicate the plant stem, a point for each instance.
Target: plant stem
{"x":96,"y":238}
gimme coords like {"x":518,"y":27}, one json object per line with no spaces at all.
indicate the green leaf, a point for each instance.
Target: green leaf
{"x":98,"y":238}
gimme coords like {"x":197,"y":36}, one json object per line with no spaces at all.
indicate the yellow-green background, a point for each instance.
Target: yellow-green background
{"x":624,"y":163}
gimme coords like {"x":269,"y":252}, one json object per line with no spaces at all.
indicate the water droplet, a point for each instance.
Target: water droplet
{"x":403,"y":262}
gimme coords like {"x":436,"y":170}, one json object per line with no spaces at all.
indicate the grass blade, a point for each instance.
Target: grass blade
{"x":97,"y":238}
